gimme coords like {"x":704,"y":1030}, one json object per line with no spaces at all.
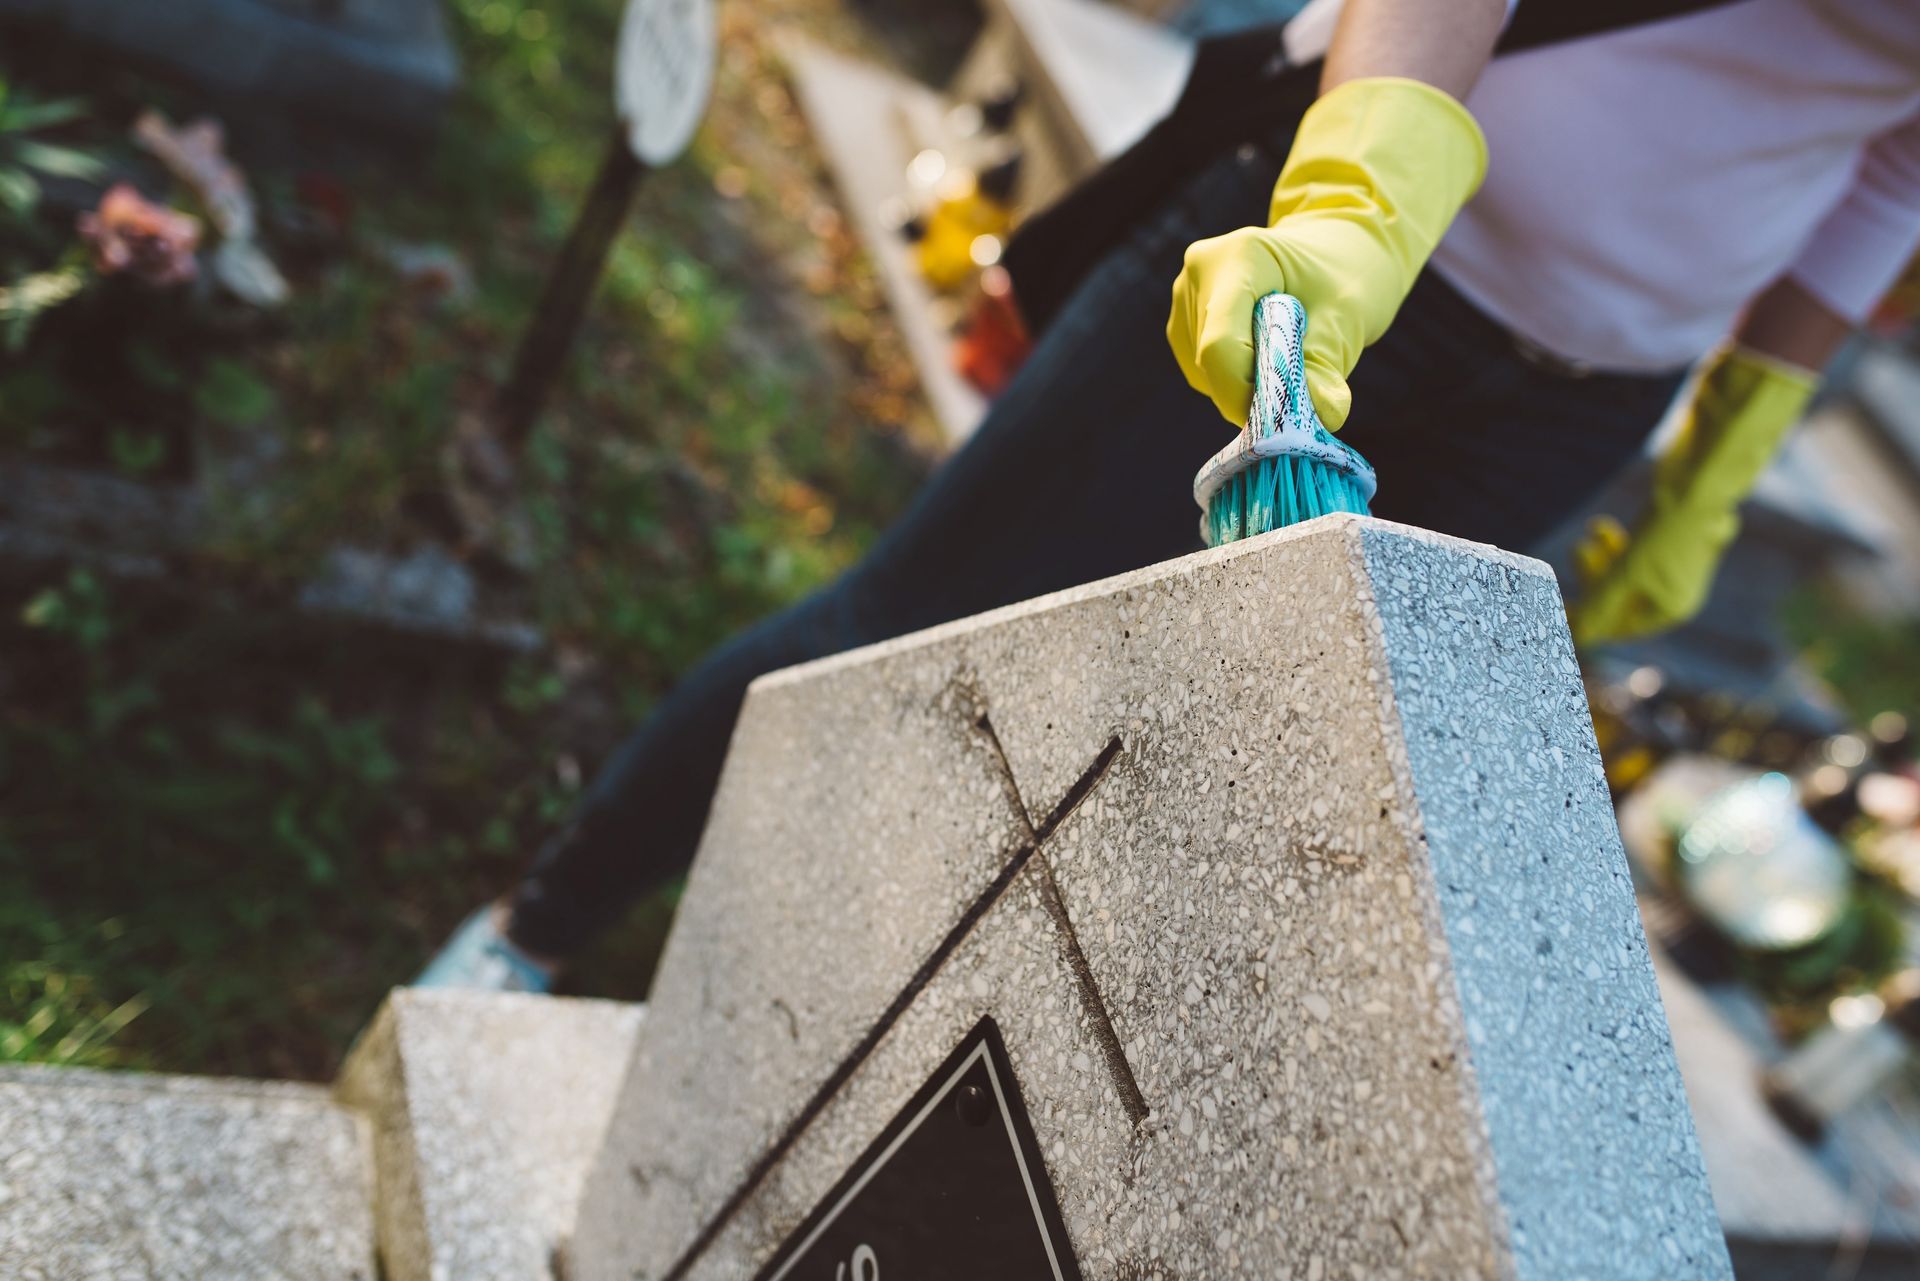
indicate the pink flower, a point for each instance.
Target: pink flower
{"x":130,"y":233}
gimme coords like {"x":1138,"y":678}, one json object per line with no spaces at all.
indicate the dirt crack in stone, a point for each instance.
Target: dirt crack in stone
{"x":1124,"y":1082}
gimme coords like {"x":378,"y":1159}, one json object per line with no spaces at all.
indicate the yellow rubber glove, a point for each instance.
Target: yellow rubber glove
{"x":1378,"y":169}
{"x":1742,"y":408}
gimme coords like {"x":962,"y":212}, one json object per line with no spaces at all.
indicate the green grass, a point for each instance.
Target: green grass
{"x":1868,"y":660}
{"x":226,"y":829}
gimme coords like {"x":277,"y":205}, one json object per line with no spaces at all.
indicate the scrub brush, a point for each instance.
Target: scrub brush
{"x":1283,"y":467}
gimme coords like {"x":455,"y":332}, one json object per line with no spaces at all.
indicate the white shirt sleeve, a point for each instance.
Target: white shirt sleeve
{"x":1859,"y":250}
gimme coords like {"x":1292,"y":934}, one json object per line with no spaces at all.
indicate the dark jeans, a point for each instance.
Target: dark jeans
{"x":1082,"y":470}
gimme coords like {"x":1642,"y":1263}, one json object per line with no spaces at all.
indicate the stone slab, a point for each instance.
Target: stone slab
{"x":104,"y":1175}
{"x":1287,"y":871}
{"x":145,"y":533}
{"x":858,"y":113}
{"x":487,"y":1108}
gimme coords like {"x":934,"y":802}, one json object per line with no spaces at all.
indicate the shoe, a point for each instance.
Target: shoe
{"x":480,"y":958}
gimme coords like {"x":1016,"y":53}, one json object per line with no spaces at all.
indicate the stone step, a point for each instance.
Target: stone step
{"x":487,"y":1109}
{"x":169,"y":1178}
{"x":858,"y":113}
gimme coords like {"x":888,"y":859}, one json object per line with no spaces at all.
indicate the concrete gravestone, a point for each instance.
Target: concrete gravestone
{"x":1260,"y":914}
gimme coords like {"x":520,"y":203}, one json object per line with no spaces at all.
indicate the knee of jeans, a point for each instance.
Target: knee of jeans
{"x":888,"y":597}
{"x":849,"y":613}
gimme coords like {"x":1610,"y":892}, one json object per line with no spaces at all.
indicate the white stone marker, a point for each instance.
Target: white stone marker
{"x":1286,"y":872}
{"x":485,"y":1110}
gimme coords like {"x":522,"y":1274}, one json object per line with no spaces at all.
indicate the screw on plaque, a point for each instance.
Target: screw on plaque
{"x":970,"y":1103}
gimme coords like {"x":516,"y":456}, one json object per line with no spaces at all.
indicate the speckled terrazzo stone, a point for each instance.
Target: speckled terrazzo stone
{"x":1287,"y":871}
{"x":487,"y":1109}
{"x":105,"y":1176}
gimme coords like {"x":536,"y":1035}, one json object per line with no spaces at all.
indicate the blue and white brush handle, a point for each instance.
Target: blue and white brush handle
{"x":1281,"y":419}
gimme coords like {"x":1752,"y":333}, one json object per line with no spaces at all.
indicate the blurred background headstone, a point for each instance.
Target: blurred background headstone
{"x":387,"y":63}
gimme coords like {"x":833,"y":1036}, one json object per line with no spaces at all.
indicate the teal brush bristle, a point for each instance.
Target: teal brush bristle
{"x":1281,"y":491}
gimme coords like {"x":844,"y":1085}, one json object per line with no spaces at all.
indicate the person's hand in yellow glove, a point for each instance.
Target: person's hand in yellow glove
{"x":1658,"y":577}
{"x":1378,"y":169}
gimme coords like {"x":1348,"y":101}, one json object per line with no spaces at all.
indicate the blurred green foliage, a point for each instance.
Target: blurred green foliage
{"x":226,"y":829}
{"x":220,"y":831}
{"x":1868,"y":659}
{"x":26,"y":156}
{"x":1864,"y":947}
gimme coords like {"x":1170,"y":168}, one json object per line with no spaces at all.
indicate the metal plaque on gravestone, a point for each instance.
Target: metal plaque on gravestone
{"x":663,"y":74}
{"x":953,"y":1189}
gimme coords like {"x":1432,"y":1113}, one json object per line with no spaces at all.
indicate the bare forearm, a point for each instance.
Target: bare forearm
{"x":1445,"y":43}
{"x":1790,"y":324}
